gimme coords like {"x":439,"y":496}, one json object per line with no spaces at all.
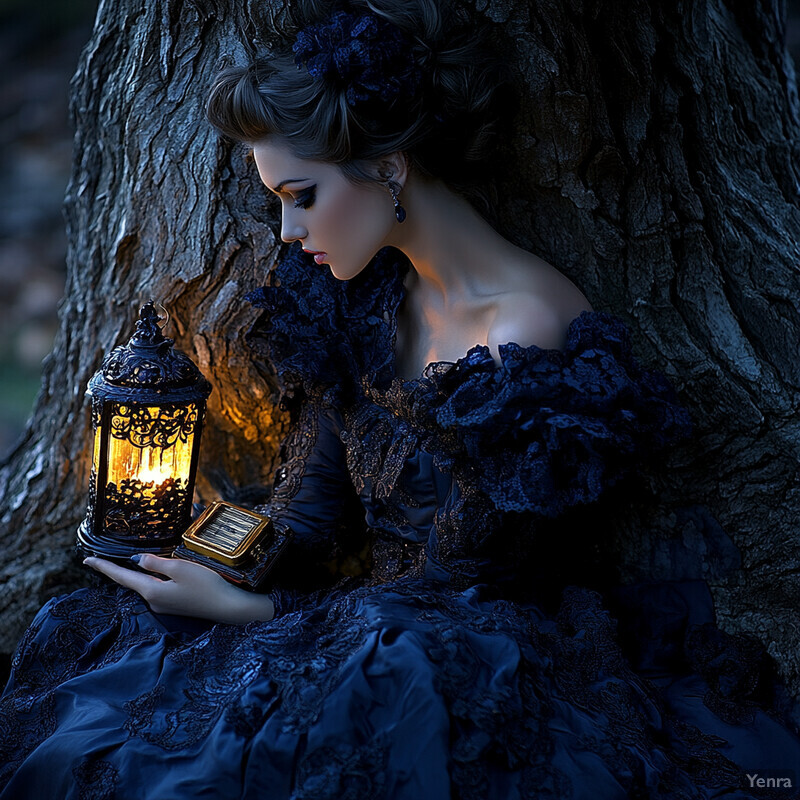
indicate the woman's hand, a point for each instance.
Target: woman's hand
{"x":188,"y":589}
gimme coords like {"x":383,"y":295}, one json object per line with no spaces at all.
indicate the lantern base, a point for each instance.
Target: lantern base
{"x":91,"y":544}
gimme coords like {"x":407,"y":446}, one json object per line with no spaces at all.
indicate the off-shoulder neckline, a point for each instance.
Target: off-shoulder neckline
{"x":481,"y":351}
{"x":478,"y":351}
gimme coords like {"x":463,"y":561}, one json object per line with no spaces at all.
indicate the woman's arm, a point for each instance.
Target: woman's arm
{"x":183,"y":587}
{"x":312,"y":485}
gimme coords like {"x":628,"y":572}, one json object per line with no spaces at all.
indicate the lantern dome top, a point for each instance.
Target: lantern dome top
{"x":147,"y":369}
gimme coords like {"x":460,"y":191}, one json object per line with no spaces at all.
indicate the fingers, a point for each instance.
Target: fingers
{"x":130,"y":578}
{"x":194,"y":590}
{"x":163,"y":566}
{"x":176,"y":568}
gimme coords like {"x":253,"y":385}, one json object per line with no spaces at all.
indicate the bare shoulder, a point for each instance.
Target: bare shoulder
{"x":540,"y":310}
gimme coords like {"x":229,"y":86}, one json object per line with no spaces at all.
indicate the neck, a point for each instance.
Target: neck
{"x":448,"y":243}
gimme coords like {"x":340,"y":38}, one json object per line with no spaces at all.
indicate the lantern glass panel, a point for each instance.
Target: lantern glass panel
{"x":98,"y":437}
{"x":149,"y":462}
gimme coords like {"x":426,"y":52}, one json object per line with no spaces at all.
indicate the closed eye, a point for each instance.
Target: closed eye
{"x":306,"y":198}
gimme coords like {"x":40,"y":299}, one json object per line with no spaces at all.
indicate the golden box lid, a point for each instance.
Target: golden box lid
{"x":226,"y":533}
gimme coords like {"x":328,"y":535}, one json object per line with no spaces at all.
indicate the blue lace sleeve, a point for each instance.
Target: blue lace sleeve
{"x":312,"y":482}
{"x":311,"y":494}
{"x":320,"y":335}
{"x":298,"y":335}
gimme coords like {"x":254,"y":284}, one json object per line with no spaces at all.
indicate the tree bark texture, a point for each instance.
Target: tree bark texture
{"x":654,"y":159}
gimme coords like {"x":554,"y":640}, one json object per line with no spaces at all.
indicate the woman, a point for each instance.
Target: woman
{"x":457,"y":394}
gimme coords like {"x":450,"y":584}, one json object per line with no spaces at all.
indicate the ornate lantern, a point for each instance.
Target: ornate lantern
{"x":148,"y":404}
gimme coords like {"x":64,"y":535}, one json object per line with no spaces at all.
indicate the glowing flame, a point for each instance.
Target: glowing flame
{"x":155,"y":475}
{"x":152,"y":469}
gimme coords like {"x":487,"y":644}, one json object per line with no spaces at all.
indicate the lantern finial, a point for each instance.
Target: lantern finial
{"x":147,"y":331}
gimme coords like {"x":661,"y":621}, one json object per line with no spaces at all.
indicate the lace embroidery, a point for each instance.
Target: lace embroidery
{"x":27,"y":718}
{"x":732,"y":665}
{"x":523,"y":441}
{"x":495,"y":725}
{"x":300,"y":660}
{"x":95,"y":780}
{"x":294,"y":452}
{"x":540,"y":433}
{"x":52,"y":651}
{"x":350,"y":773}
{"x":393,"y":558}
{"x":377,"y":450}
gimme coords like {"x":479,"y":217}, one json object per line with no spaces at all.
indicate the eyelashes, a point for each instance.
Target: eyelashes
{"x":306,"y":198}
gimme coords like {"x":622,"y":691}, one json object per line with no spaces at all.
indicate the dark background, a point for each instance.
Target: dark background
{"x":39,"y":47}
{"x":40,"y":41}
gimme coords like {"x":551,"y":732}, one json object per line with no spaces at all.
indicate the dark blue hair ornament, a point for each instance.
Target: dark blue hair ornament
{"x":367,"y":56}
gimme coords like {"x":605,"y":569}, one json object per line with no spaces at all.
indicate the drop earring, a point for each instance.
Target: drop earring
{"x":399,"y":211}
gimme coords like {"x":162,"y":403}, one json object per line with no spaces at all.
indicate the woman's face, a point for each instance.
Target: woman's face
{"x":342,"y":223}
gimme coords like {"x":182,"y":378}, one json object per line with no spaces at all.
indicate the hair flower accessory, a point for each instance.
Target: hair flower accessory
{"x":367,"y":56}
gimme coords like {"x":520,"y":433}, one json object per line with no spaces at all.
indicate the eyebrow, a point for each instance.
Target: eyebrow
{"x":280,"y":186}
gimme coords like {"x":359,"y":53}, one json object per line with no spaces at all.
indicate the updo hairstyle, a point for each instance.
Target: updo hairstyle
{"x":447,"y":123}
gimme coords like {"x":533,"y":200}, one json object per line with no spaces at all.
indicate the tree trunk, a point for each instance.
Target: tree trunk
{"x":654,"y":160}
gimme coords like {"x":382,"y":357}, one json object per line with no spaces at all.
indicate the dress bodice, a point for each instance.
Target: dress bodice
{"x":441,"y":459}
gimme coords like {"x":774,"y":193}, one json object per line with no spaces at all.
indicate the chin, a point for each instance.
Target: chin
{"x":345,"y":273}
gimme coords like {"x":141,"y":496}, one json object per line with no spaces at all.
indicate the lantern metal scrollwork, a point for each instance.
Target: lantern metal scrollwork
{"x":148,"y":405}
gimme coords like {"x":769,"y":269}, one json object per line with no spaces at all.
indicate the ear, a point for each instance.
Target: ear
{"x":392,"y":167}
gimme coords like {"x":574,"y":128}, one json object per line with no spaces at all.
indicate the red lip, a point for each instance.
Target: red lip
{"x":313,"y":252}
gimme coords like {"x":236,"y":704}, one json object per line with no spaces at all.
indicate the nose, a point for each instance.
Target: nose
{"x":291,"y":227}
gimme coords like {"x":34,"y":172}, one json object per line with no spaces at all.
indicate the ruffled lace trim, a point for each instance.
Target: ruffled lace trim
{"x":320,"y":334}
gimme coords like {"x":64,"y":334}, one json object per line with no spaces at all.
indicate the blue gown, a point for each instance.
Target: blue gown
{"x":463,"y":664}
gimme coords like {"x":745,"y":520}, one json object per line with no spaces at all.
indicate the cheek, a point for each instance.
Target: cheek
{"x":372,"y":220}
{"x":357,"y":228}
